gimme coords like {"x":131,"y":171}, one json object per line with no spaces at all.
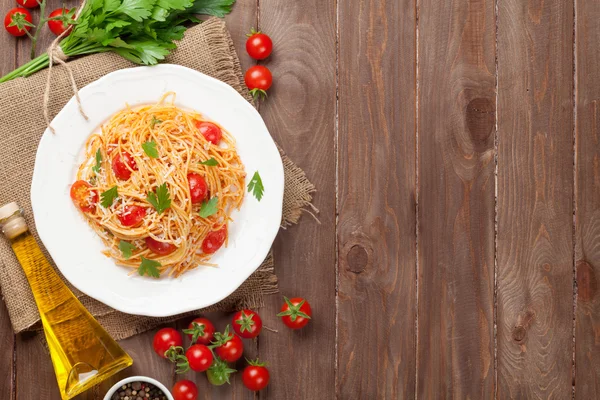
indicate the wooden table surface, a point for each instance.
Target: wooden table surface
{"x":455,"y":146}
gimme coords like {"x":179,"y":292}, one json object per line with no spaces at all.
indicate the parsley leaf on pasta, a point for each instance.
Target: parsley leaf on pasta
{"x":149,"y":267}
{"x":160,"y":199}
{"x":150,"y":149}
{"x":108,"y":198}
{"x":96,"y":168}
{"x":154,"y":121}
{"x":209,"y":207}
{"x":211,"y":162}
{"x":256,"y":186}
{"x":126,"y":249}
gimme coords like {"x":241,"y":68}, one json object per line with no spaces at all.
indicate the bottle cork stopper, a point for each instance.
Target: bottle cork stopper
{"x":12,"y":222}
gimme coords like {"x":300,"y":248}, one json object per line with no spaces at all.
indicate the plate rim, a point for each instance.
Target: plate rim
{"x":112,"y":301}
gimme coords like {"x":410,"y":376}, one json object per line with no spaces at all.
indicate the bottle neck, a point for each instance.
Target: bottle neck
{"x":14,"y":225}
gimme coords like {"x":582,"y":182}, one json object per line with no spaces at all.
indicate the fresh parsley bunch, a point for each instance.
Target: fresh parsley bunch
{"x":142,"y":31}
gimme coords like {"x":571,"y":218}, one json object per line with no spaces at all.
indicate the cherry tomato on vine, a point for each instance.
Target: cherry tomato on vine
{"x":160,"y":248}
{"x":258,"y":45}
{"x":18,"y":21}
{"x":28,"y":3}
{"x":295,"y":312}
{"x":219,"y":372}
{"x":228,"y":346}
{"x":214,"y":240}
{"x":247,"y":324}
{"x":59,"y":20}
{"x":198,"y":187}
{"x":123,"y":165}
{"x":83,"y":197}
{"x":185,"y":390}
{"x":210,"y":131}
{"x":132,"y":215}
{"x":199,"y":357}
{"x":258,"y":79}
{"x":200,"y":330}
{"x":164,"y":339}
{"x":256,"y":376}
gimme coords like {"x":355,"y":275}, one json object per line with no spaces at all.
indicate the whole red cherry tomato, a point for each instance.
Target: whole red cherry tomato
{"x":132,"y":216}
{"x":59,"y":20}
{"x":198,"y":187}
{"x":295,"y":312}
{"x":214,"y":240}
{"x":123,"y":165}
{"x":18,"y":21}
{"x":247,"y":324}
{"x":185,"y":390}
{"x":160,"y":248}
{"x":199,"y":357}
{"x":258,"y":79}
{"x":83,"y":197}
{"x":200,"y":331}
{"x":228,"y":346}
{"x":210,"y":131}
{"x":256,"y":376}
{"x":164,"y":339}
{"x":28,"y":3}
{"x":259,"y":46}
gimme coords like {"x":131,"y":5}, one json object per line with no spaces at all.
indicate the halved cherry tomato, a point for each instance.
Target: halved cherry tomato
{"x":214,"y":240}
{"x":160,"y":248}
{"x":62,"y":21}
{"x":123,"y":165}
{"x":18,"y":21}
{"x":28,"y":3}
{"x":164,"y":339}
{"x":200,"y":330}
{"x":83,"y":197}
{"x":198,"y":187}
{"x":247,"y":324}
{"x":132,"y":215}
{"x":210,"y":131}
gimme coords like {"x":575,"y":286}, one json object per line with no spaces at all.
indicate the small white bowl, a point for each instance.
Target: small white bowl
{"x":145,"y":379}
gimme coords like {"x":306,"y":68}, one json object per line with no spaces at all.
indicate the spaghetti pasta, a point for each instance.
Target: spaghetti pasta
{"x":141,"y":151}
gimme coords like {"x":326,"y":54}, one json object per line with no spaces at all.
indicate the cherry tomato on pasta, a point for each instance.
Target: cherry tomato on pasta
{"x":200,"y":330}
{"x":18,"y":21}
{"x":164,"y":339}
{"x":185,"y":390}
{"x":84,"y":198}
{"x":198,"y":187}
{"x":247,"y":324}
{"x":259,"y":46}
{"x":61,"y":23}
{"x":160,"y":248}
{"x":214,"y":240}
{"x":132,"y":215}
{"x":210,"y":131}
{"x":28,"y":3}
{"x":123,"y":165}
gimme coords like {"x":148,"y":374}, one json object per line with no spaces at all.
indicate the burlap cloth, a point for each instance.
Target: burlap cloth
{"x":207,"y":48}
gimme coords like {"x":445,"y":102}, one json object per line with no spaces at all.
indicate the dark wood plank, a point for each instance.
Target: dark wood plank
{"x":535,"y":199}
{"x":300,"y":114}
{"x":456,"y":199}
{"x":587,"y":223}
{"x":7,"y":344}
{"x":376,"y":200}
{"x":243,"y":17}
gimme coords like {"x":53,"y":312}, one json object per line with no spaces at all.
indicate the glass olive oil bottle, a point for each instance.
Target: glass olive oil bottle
{"x":83,"y":354}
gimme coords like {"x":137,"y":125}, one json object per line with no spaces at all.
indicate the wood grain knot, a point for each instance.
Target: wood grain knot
{"x":586,"y":281}
{"x":480,"y":119}
{"x":519,"y":333}
{"x":357,"y":259}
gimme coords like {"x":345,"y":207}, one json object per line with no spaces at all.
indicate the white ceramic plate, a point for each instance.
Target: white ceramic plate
{"x":75,"y":247}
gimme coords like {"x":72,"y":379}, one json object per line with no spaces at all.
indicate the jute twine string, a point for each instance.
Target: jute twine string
{"x":57,"y":55}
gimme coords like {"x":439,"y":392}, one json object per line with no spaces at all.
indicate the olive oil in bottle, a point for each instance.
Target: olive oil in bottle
{"x":83,"y":353}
